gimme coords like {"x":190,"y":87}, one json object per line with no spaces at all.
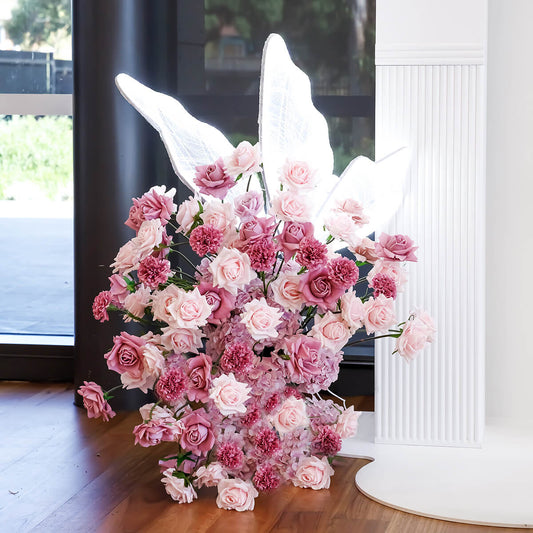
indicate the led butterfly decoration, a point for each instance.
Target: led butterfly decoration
{"x":290,"y":128}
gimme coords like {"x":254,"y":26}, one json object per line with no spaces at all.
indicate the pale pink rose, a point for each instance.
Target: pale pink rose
{"x":229,"y":394}
{"x":94,"y":402}
{"x":210,"y":475}
{"x":186,"y":213}
{"x":379,"y":314}
{"x":158,"y":203}
{"x":163,"y":303}
{"x":221,"y":216}
{"x":231,"y":270}
{"x":291,"y":415}
{"x":342,"y":227}
{"x":247,"y":205}
{"x":236,"y":494}
{"x":261,"y":320}
{"x":352,"y":208}
{"x":364,"y":250}
{"x":412,"y":340}
{"x":136,"y":302}
{"x":313,"y":473}
{"x":331,"y":330}
{"x":423,"y":319}
{"x":181,"y":340}
{"x":352,"y":310}
{"x":151,"y":411}
{"x":177,"y":489}
{"x":190,"y":310}
{"x":296,"y":175}
{"x":392,"y":269}
{"x":149,"y":236}
{"x":143,"y":382}
{"x":291,"y":207}
{"x":127,"y":259}
{"x":287,"y":292}
{"x":154,"y":360}
{"x":347,"y":423}
{"x":245,"y":160}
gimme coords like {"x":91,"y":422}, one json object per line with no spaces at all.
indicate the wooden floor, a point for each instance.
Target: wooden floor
{"x":60,"y":471}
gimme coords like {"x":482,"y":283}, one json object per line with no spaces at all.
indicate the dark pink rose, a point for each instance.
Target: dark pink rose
{"x":305,"y":355}
{"x":256,"y":229}
{"x":318,"y":288}
{"x":222,"y":302}
{"x":136,"y":216}
{"x":213,"y":180}
{"x":118,"y":289}
{"x":396,"y":248}
{"x":291,"y":236}
{"x":197,"y":436}
{"x":126,"y":355}
{"x":94,"y":402}
{"x":199,"y":371}
{"x":157,"y":203}
{"x":102,"y":300}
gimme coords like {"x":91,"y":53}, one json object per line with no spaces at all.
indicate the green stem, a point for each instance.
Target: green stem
{"x":188,"y":260}
{"x":371,"y":338}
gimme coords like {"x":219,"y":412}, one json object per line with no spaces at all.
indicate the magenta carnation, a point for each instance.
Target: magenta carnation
{"x":153,"y":272}
{"x":237,"y":357}
{"x":267,"y":442}
{"x":343,"y":272}
{"x":327,"y":441}
{"x":272,"y":403}
{"x":265,"y":478}
{"x":172,"y":385}
{"x":251,"y":417}
{"x":230,"y":455}
{"x":100,"y":304}
{"x":206,"y":239}
{"x":312,"y":253}
{"x":383,"y":284}
{"x":262,"y":254}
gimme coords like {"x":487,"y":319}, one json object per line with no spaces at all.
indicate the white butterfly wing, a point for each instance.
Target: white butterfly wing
{"x":290,"y":127}
{"x":189,"y":142}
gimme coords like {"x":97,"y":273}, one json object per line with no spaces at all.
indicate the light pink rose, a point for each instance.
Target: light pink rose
{"x":396,"y":248}
{"x":291,"y":415}
{"x":364,"y":250}
{"x":347,"y":423}
{"x":154,"y":360}
{"x":331,"y":330}
{"x":412,"y":340}
{"x":379,"y":314}
{"x":229,"y":394}
{"x":136,"y":302}
{"x":210,"y":475}
{"x":213,"y":180}
{"x":291,"y":207}
{"x":177,"y":489}
{"x":236,"y":494}
{"x":149,"y":236}
{"x":313,"y":473}
{"x":287,"y":292}
{"x":341,"y":226}
{"x":352,"y":208}
{"x":127,"y":258}
{"x":423,"y":319}
{"x":392,"y":269}
{"x":296,"y":175}
{"x":352,"y":310}
{"x":245,"y":160}
{"x":151,"y":411}
{"x":186,"y":213}
{"x":247,"y":205}
{"x":190,"y":310}
{"x":231,"y":270}
{"x":221,"y":216}
{"x":261,"y":320}
{"x":94,"y":402}
{"x":163,"y":303}
{"x":181,"y":340}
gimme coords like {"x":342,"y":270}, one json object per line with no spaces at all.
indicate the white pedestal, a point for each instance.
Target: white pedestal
{"x":492,"y":485}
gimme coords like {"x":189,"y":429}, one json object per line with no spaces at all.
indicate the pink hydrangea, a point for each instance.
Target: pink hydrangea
{"x":100,"y":304}
{"x":206,"y":239}
{"x":153,"y":271}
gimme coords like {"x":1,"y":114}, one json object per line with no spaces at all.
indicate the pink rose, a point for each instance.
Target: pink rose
{"x":126,"y":355}
{"x":291,"y":207}
{"x":247,"y":205}
{"x":127,"y":258}
{"x":352,"y":208}
{"x":341,"y":226}
{"x":287,"y":292}
{"x":199,"y":372}
{"x":291,"y":415}
{"x":291,"y":236}
{"x":423,"y":320}
{"x":364,"y":250}
{"x":331,"y":330}
{"x":158,"y":203}
{"x":198,"y":436}
{"x":94,"y":402}
{"x":221,"y":301}
{"x":137,"y":301}
{"x":181,"y":340}
{"x":118,"y":289}
{"x":229,"y":394}
{"x":318,"y":289}
{"x":136,"y":215}
{"x":396,"y":248}
{"x":231,"y":270}
{"x":236,"y":494}
{"x":412,"y":340}
{"x":391,"y":269}
{"x":221,"y":216}
{"x":153,"y":360}
{"x":149,"y":236}
{"x":213,"y":179}
{"x":256,"y":229}
{"x":296,"y":175}
{"x":379,"y":314}
{"x":164,"y":303}
{"x":177,"y":489}
{"x":347,"y":423}
{"x":186,"y":213}
{"x":261,"y":320}
{"x":245,"y":160}
{"x":181,"y":309}
{"x":155,"y":431}
{"x":313,"y":473}
{"x":210,"y":475}
{"x":352,"y":310}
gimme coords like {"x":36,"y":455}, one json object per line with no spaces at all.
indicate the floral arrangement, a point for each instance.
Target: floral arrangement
{"x":238,"y":346}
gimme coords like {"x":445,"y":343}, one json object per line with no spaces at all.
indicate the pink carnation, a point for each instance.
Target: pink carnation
{"x":266,"y":479}
{"x":343,"y":272}
{"x":251,"y":417}
{"x":100,"y":305}
{"x":94,"y":402}
{"x":262,"y":254}
{"x":153,"y":272}
{"x":383,"y":284}
{"x":230,"y":455}
{"x":312,"y":253}
{"x":327,"y":441}
{"x":206,"y":239}
{"x":237,"y":357}
{"x":172,"y":385}
{"x":156,"y":203}
{"x":213,"y":180}
{"x":267,"y":442}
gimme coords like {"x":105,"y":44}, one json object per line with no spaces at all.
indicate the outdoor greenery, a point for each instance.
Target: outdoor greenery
{"x":35,"y":158}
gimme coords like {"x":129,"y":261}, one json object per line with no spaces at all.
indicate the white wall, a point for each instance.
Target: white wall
{"x":509,"y":292}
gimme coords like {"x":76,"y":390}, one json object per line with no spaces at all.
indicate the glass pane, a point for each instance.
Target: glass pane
{"x":331,"y":40}
{"x":35,"y":47}
{"x":36,"y":230}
